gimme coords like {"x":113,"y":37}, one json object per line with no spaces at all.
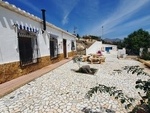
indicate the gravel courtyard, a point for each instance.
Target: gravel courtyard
{"x":63,"y":90}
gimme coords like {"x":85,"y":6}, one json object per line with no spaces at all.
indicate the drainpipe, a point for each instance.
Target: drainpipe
{"x":44,"y":21}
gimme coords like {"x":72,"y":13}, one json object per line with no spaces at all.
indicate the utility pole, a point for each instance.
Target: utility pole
{"x":102,"y":32}
{"x":74,"y":30}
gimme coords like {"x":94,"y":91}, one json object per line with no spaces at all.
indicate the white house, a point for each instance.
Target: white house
{"x":94,"y":48}
{"x":28,"y":43}
{"x":99,"y":46}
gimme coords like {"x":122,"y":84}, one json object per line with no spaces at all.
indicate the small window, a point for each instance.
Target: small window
{"x":27,"y":42}
{"x":72,"y":45}
{"x":53,"y":47}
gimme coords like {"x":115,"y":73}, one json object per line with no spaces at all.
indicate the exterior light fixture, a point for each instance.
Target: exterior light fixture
{"x":15,"y":25}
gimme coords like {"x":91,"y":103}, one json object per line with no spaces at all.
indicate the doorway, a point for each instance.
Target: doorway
{"x":64,"y":48}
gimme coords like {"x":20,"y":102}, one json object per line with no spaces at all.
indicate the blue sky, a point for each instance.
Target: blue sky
{"x":119,"y":18}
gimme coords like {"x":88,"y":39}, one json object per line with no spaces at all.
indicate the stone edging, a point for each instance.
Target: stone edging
{"x":147,"y":63}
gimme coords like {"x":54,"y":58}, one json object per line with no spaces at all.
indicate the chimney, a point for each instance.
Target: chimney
{"x":44,"y":21}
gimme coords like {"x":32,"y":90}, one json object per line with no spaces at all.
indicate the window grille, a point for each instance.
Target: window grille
{"x":28,"y":47}
{"x":72,"y":45}
{"x":53,"y":47}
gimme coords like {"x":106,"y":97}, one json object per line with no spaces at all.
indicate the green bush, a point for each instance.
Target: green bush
{"x":143,"y":107}
{"x":145,"y":55}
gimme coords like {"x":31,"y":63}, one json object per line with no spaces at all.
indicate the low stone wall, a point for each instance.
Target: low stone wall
{"x":81,"y":52}
{"x":13,"y":70}
{"x":72,"y":53}
{"x":145,"y":62}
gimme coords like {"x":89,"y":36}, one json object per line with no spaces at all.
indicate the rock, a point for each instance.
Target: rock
{"x":85,"y":69}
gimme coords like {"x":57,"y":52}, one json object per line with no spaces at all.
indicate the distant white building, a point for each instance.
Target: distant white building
{"x":121,"y":53}
{"x":99,"y":46}
{"x":109,"y":47}
{"x":141,"y":51}
{"x":94,"y":48}
{"x":27,"y":44}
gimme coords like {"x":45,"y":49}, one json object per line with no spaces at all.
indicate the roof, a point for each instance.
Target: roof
{"x":31,"y":16}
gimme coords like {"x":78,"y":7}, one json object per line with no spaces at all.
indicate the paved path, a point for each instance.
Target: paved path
{"x":63,"y":90}
{"x":10,"y":86}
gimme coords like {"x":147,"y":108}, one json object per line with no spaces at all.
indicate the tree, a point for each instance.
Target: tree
{"x":92,"y":37}
{"x":78,"y":36}
{"x":136,"y":40}
{"x":119,"y":44}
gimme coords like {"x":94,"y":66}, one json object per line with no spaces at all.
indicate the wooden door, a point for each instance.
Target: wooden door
{"x":64,"y":48}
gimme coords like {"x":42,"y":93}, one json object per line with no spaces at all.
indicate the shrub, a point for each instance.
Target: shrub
{"x":145,"y":55}
{"x":143,"y":107}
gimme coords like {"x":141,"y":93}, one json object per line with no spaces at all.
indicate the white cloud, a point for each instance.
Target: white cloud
{"x":66,"y":7}
{"x":136,"y":24}
{"x":124,"y":11}
{"x":65,"y":20}
{"x":139,"y":22}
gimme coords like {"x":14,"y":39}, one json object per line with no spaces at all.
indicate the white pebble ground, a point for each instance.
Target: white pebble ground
{"x":63,"y":90}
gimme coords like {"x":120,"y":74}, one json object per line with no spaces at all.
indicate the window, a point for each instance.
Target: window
{"x":53,"y":46}
{"x":27,"y":42}
{"x":72,"y":45}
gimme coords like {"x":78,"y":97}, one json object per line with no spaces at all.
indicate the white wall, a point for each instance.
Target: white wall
{"x":9,"y":41}
{"x":94,"y":48}
{"x":121,"y":53}
{"x":114,"y":47}
{"x":113,"y":51}
{"x":8,"y":37}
